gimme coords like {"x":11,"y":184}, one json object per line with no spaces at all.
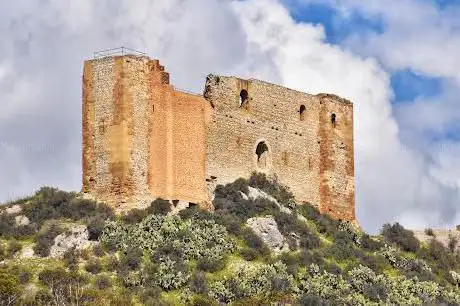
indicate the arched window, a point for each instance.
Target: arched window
{"x":262,"y":154}
{"x":243,"y":97}
{"x":302,"y":112}
{"x":333,"y":119}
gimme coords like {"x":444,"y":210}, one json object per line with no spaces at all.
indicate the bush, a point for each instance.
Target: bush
{"x":70,"y":259}
{"x":131,"y":260}
{"x":95,"y":227}
{"x":271,"y":186}
{"x":13,"y":248}
{"x":135,"y":216}
{"x":452,"y":244}
{"x":198,"y":283}
{"x":308,"y":257}
{"x":401,"y":237}
{"x":103,"y":282}
{"x":249,"y":254}
{"x":98,"y":251}
{"x":203,"y":300}
{"x":211,"y":264}
{"x":112,"y":264}
{"x":93,"y":266}
{"x":46,"y":240}
{"x":291,"y":261}
{"x":368,"y":243}
{"x":63,"y":285}
{"x":159,"y":207}
{"x":9,"y":288}
{"x":429,"y":232}
{"x":312,"y":300}
{"x":151,"y":296}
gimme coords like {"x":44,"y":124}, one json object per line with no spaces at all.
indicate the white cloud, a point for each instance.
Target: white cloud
{"x":256,"y":38}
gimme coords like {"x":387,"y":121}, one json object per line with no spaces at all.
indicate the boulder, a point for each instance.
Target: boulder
{"x":254,"y":193}
{"x":266,"y":229}
{"x":15,"y":209}
{"x":21,"y":220}
{"x":77,"y":236}
{"x":27,"y":252}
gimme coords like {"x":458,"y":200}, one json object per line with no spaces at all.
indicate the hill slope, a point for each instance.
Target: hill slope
{"x":258,"y":247}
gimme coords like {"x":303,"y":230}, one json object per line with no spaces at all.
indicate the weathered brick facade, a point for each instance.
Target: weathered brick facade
{"x":142,"y":139}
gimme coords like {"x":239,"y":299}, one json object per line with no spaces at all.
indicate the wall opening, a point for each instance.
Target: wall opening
{"x":262,"y":155}
{"x":302,"y":112}
{"x":333,"y":119}
{"x":243,"y":97}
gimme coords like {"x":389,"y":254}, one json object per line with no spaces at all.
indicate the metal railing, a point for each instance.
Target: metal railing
{"x":118,"y":51}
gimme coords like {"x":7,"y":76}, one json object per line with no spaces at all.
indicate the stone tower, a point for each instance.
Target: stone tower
{"x":144,"y":139}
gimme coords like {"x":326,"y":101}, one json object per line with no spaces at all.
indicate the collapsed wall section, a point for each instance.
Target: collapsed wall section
{"x":257,"y":126}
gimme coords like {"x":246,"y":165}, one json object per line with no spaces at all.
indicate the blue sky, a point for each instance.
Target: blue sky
{"x":407,"y":84}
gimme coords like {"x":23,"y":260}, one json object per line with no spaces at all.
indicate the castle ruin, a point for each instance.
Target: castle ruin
{"x":143,"y":139}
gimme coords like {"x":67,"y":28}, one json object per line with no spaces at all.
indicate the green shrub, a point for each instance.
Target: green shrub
{"x":24,"y":277}
{"x":370,"y":244}
{"x":211,"y":264}
{"x":198,"y":283}
{"x":113,"y":264}
{"x":249,"y":254}
{"x":203,"y":300}
{"x":98,"y":250}
{"x":46,"y":240}
{"x":93,"y":266}
{"x":103,"y":282}
{"x":171,"y":274}
{"x":135,"y":215}
{"x":95,"y":227}
{"x":193,"y":237}
{"x":429,"y":232}
{"x":160,"y":207}
{"x":253,"y":241}
{"x":63,"y":284}
{"x":312,"y":300}
{"x":70,"y":259}
{"x":401,"y":237}
{"x":271,"y":186}
{"x":13,"y":248}
{"x":131,"y":260}
{"x":151,"y":296}
{"x":9,"y":288}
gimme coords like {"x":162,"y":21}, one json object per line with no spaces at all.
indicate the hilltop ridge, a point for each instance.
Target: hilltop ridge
{"x":258,"y":246}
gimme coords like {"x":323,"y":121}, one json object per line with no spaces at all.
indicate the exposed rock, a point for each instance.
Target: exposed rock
{"x":15,"y":209}
{"x":442,"y":235}
{"x":77,"y":236}
{"x":254,"y":193}
{"x":244,"y":196}
{"x":267,"y":229}
{"x":21,"y":220}
{"x":177,"y":206}
{"x":27,"y":252}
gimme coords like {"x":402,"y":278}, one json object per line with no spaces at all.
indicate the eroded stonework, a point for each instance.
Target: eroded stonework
{"x":143,"y":139}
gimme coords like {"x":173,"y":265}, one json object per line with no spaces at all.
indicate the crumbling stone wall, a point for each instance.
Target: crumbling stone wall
{"x":144,"y":139}
{"x":306,"y":150}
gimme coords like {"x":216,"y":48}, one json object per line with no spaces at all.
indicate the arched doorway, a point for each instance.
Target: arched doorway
{"x":262,"y":155}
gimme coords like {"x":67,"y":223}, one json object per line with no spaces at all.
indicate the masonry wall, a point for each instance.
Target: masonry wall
{"x":142,"y":139}
{"x":302,"y":151}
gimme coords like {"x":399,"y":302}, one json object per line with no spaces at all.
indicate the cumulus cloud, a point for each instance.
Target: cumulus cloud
{"x":40,"y":82}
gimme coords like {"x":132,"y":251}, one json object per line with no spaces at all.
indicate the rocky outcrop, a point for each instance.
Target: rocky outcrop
{"x":254,"y":194}
{"x":21,"y":220}
{"x":77,"y":237}
{"x":266,"y":229}
{"x":15,"y":209}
